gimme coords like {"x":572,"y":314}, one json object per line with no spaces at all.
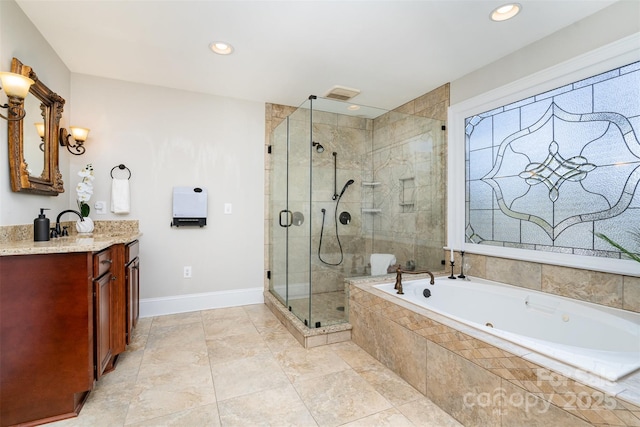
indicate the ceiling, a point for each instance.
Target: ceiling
{"x":392,"y":51}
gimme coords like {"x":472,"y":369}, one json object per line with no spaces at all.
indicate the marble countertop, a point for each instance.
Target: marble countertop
{"x":73,"y":243}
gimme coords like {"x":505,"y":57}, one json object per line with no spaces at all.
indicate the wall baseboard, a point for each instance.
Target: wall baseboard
{"x":150,"y":307}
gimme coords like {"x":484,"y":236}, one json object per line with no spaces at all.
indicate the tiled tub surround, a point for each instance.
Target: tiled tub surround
{"x":612,"y":290}
{"x":477,"y":378}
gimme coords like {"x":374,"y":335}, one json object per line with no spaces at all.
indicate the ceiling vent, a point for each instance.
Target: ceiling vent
{"x":341,"y":93}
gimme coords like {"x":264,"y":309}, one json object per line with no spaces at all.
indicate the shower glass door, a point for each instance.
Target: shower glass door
{"x":291,"y":216}
{"x":345,"y":183}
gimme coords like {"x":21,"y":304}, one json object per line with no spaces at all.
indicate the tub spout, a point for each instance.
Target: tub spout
{"x":58,"y":231}
{"x":399,"y":271}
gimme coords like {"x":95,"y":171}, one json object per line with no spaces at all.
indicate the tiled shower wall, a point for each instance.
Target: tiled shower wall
{"x":408,"y":160}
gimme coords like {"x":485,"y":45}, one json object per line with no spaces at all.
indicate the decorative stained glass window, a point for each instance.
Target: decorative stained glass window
{"x":549,"y":171}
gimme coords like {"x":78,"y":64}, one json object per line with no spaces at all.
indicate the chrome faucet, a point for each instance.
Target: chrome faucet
{"x":399,"y":272}
{"x":57,"y":232}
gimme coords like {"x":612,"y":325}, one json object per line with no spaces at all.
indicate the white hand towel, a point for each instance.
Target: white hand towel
{"x":120,"y":196}
{"x":380,"y":263}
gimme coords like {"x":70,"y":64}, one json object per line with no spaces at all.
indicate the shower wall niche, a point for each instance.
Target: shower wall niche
{"x":346,"y":182}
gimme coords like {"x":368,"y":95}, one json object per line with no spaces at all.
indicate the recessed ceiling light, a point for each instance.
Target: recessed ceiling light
{"x":221,"y":48}
{"x":353,"y":107}
{"x":505,"y":12}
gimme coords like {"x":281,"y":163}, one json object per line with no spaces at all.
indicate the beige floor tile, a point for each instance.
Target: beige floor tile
{"x":240,"y":367}
{"x":389,"y":418}
{"x":280,"y":339}
{"x":236,"y":313}
{"x":138,"y":341}
{"x":257,"y":310}
{"x":236,"y":347}
{"x":169,"y":393}
{"x":391,"y":386}
{"x":225,"y":327}
{"x":423,"y":412}
{"x":355,"y":356}
{"x":126,"y":371}
{"x":246,"y":376}
{"x":143,"y":326}
{"x":202,"y":416}
{"x":175,"y":319}
{"x":106,"y":406}
{"x":301,"y":364}
{"x":171,"y":360}
{"x":340,"y":397}
{"x":187,"y":336}
{"x":267,"y":323}
{"x":283,"y":407}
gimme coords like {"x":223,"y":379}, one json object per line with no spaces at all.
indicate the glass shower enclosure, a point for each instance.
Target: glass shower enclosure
{"x":347,"y":181}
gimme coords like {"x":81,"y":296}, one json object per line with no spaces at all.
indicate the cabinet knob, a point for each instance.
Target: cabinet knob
{"x":106,"y":261}
{"x":114,"y":278}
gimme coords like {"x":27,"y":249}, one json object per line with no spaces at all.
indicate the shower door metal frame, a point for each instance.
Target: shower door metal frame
{"x":300,"y":280}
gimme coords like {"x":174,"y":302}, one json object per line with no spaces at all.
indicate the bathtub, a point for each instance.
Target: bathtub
{"x":601,"y":340}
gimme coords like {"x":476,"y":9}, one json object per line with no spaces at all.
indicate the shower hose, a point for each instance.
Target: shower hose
{"x":337,"y":236}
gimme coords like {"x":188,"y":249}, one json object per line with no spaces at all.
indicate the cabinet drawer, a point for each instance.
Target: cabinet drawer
{"x":131,"y":252}
{"x":102,"y":262}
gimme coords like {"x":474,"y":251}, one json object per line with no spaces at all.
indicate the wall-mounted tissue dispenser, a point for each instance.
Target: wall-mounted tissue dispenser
{"x":189,"y":206}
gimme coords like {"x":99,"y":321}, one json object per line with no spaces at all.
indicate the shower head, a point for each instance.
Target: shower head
{"x":348,"y":183}
{"x":319,"y":147}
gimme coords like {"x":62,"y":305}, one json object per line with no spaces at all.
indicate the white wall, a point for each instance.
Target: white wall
{"x":20,"y":39}
{"x":173,"y":138}
{"x":613,"y":23}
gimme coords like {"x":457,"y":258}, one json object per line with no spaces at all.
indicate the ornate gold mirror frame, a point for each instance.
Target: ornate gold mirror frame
{"x":51,"y":104}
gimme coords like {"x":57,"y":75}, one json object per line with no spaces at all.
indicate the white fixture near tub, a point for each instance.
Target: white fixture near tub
{"x":380,"y":263}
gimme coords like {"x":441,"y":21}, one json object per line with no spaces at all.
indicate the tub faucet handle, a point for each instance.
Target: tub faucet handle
{"x":398,"y":285}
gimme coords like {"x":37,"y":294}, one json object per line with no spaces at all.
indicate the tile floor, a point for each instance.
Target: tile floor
{"x":240,"y":367}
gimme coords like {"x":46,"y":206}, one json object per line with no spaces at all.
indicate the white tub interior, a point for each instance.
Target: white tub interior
{"x":601,"y":340}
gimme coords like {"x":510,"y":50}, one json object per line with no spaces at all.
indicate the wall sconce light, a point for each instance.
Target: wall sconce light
{"x":78,"y":135}
{"x":40,"y":128}
{"x":16,"y":86}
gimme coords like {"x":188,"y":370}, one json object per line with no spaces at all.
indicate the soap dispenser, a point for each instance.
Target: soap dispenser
{"x":41,"y":227}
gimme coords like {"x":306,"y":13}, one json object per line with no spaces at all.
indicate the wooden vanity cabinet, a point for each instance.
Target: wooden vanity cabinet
{"x":46,"y":336}
{"x":64,"y":319}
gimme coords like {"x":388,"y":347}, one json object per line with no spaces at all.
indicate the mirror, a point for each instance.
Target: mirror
{"x":33,"y":150}
{"x":33,"y":161}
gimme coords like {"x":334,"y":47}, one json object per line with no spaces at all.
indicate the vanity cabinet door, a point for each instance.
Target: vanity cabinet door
{"x":102,"y":312}
{"x":132,"y":284}
{"x":110,"y":307}
{"x":133,"y":296}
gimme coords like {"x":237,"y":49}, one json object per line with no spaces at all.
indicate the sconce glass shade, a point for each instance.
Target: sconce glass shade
{"x":40,"y":128}
{"x":79,"y":134}
{"x":15,"y":85}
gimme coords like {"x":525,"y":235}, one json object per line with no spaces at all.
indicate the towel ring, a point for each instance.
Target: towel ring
{"x":121,"y":167}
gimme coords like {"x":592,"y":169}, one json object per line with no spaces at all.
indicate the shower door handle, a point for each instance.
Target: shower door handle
{"x":289,"y":218}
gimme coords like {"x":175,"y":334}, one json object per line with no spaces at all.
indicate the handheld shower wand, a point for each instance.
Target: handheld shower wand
{"x":348,"y":183}
{"x":337,"y":198}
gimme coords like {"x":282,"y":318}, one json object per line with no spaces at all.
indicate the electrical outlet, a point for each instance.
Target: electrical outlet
{"x":187,"y":272}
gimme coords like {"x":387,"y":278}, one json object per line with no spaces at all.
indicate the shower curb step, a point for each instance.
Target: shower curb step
{"x":307,"y":337}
